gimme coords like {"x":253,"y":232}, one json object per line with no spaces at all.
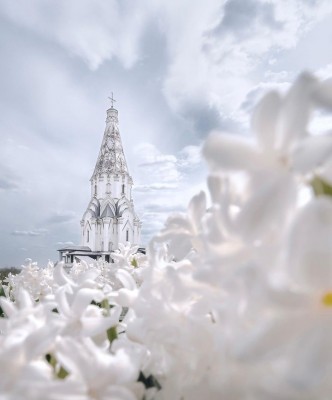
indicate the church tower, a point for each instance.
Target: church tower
{"x":110,"y":218}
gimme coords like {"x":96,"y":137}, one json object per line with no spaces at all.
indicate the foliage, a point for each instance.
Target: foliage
{"x":4,"y":272}
{"x":233,"y":300}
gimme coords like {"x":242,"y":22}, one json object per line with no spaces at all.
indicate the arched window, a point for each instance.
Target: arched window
{"x":88,"y":238}
{"x":95,"y":190}
{"x":123,"y":189}
{"x":127,"y":235}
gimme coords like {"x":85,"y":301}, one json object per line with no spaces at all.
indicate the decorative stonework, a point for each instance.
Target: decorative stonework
{"x":111,"y":159}
{"x":111,"y":206}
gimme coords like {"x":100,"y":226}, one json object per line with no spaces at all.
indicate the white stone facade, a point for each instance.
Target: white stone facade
{"x":110,"y":218}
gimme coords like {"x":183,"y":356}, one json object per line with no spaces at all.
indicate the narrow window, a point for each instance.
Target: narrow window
{"x":127,"y":236}
{"x":95,"y":190}
{"x":123,"y":189}
{"x":88,"y":236}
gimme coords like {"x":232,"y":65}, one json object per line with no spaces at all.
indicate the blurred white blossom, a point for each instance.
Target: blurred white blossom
{"x":232,"y":301}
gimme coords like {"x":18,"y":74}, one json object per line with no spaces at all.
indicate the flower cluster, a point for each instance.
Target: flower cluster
{"x":234,"y":298}
{"x":58,"y":337}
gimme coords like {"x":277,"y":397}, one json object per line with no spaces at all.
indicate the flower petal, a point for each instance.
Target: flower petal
{"x":62,"y":301}
{"x":268,"y":207}
{"x":95,"y":326}
{"x":126,"y":279}
{"x":228,"y":153}
{"x":310,"y":358}
{"x":264,"y":120}
{"x":323,"y":94}
{"x":60,"y":276}
{"x":263,"y":339}
{"x":312,"y":152}
{"x":197,"y":209}
{"x":309,"y":245}
{"x":83,"y":298}
{"x":7,"y":306}
{"x":296,"y":110}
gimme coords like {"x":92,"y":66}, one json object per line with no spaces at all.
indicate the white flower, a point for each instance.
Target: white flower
{"x":282,"y":153}
{"x":171,"y":320}
{"x":80,"y":317}
{"x":28,"y":334}
{"x":124,"y":256}
{"x":102,"y":376}
{"x":234,"y":300}
{"x":37,"y":281}
{"x":184,"y":232}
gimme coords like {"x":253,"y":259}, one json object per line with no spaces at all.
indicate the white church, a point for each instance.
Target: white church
{"x":110,"y":217}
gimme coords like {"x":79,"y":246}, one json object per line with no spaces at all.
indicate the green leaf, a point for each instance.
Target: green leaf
{"x":106,"y":306}
{"x":112,"y":334}
{"x":59,"y":371}
{"x":51,"y":360}
{"x":134,"y":262}
{"x":62,"y":373}
{"x":321,"y":186}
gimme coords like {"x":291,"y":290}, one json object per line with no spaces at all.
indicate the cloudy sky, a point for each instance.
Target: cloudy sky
{"x":178,"y":69}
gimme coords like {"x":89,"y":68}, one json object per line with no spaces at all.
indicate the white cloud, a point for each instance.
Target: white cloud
{"x":216,"y":60}
{"x":280,"y":76}
{"x":64,"y":243}
{"x":36,"y":232}
{"x":166,"y":183}
{"x":59,"y":217}
{"x":190,"y":156}
{"x":213,"y":51}
{"x":7,"y":183}
{"x":321,"y":124}
{"x":155,"y":186}
{"x":150,"y":155}
{"x":94,"y":30}
{"x":157,"y":167}
{"x":325,"y":72}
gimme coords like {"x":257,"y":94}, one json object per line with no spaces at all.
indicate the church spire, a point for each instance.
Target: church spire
{"x":112,"y":100}
{"x":111,"y":159}
{"x":110,"y":218}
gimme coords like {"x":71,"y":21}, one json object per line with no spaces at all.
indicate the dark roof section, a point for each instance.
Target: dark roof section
{"x":75,"y":248}
{"x":92,"y":253}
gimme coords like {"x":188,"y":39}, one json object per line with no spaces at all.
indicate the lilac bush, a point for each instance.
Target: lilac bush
{"x":234,"y":298}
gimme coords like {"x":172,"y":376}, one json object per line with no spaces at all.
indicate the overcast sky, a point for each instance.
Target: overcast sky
{"x":178,"y":69}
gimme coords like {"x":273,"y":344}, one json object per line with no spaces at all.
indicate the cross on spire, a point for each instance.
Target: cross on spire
{"x":112,"y":100}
